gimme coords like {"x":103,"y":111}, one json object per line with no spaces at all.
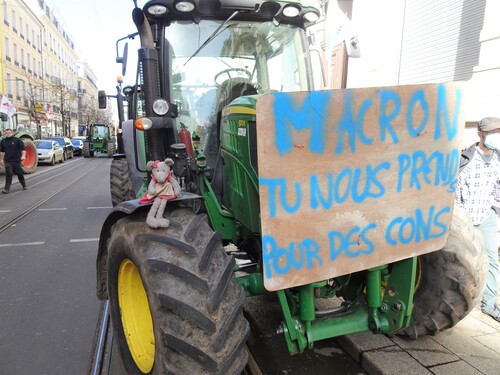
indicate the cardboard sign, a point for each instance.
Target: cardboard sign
{"x":353,"y":179}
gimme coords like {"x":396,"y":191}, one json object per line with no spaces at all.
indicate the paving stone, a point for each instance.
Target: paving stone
{"x":492,"y":341}
{"x":357,"y":343}
{"x":474,"y":325}
{"x":455,"y":368}
{"x":471,"y":351}
{"x":490,"y":321}
{"x":392,"y":361}
{"x":426,"y":351}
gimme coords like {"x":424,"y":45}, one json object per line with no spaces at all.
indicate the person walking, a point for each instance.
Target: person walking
{"x":478,"y":191}
{"x":12,"y":153}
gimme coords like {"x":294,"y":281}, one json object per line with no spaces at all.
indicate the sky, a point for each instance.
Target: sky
{"x":95,"y":26}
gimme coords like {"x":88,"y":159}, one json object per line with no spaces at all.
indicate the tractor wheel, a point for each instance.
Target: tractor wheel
{"x":30,"y":162}
{"x":86,"y":150}
{"x":120,"y":183}
{"x":450,"y":281}
{"x":174,"y":304}
{"x":111,"y":149}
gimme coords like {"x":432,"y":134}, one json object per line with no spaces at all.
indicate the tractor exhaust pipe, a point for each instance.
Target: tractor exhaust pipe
{"x":142,"y":24}
{"x":150,"y":82}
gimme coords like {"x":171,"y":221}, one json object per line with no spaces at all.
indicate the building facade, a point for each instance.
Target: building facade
{"x":403,"y":42}
{"x":41,"y":71}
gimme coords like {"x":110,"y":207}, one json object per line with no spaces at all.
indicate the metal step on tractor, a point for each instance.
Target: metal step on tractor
{"x":343,"y":196}
{"x":98,"y":139}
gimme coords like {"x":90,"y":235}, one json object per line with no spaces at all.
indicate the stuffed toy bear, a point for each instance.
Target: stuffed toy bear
{"x":162,"y":188}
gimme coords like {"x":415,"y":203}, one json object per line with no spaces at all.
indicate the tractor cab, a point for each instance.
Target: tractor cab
{"x":239,"y":58}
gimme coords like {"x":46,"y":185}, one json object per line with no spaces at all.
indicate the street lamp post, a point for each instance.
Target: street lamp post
{"x":37,"y":109}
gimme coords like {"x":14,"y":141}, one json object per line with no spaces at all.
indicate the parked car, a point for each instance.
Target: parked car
{"x":67,"y":146}
{"x":77,"y":146}
{"x":49,"y":152}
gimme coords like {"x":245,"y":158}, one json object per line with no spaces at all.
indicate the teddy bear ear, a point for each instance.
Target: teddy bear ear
{"x":149,"y":165}
{"x":169,"y":162}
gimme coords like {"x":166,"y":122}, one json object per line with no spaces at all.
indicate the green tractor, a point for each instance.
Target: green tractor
{"x":30,"y":163}
{"x":98,"y":139}
{"x":340,"y":196}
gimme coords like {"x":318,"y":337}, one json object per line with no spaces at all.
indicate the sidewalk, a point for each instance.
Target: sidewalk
{"x":472,"y":347}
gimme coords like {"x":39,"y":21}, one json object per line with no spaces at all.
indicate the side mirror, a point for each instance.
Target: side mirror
{"x":352,"y":46}
{"x":102,"y":97}
{"x":123,"y":59}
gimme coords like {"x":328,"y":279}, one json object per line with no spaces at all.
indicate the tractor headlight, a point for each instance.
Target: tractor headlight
{"x":311,"y":17}
{"x":291,"y":11}
{"x":160,"y":107}
{"x":184,"y":6}
{"x":157,"y":10}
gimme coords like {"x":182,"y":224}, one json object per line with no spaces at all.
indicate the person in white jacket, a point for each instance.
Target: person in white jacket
{"x":478,"y":191}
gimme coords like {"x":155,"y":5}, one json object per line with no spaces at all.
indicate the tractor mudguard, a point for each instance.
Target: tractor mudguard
{"x":120,"y":210}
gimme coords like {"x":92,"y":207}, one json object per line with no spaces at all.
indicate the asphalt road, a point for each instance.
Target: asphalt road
{"x":48,"y":245}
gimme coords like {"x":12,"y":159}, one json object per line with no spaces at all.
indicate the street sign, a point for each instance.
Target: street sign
{"x":38,"y":107}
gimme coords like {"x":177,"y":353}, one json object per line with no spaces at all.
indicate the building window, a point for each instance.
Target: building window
{"x":16,"y":59}
{"x":7,"y":48}
{"x":18,"y":90}
{"x":5,"y":19}
{"x":21,"y":27}
{"x":14,"y":27}
{"x":9,"y":85}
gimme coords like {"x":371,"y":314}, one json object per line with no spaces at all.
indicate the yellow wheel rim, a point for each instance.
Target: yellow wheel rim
{"x":136,"y":316}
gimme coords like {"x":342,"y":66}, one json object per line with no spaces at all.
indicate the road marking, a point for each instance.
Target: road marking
{"x":84,"y":239}
{"x":52,"y":209}
{"x":5,"y":211}
{"x":21,"y":244}
{"x":99,"y":208}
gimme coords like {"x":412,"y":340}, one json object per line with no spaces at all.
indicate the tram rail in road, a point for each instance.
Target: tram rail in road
{"x":42,"y":200}
{"x":47,"y":259}
{"x":105,"y":359}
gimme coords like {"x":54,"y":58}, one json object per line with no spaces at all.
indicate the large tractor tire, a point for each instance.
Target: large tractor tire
{"x":31,"y":161}
{"x":120,"y":183}
{"x":450,"y":282}
{"x":111,"y":149}
{"x":175,"y":307}
{"x":86,"y":150}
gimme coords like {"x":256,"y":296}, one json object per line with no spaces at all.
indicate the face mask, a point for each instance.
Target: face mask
{"x":492,"y":141}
